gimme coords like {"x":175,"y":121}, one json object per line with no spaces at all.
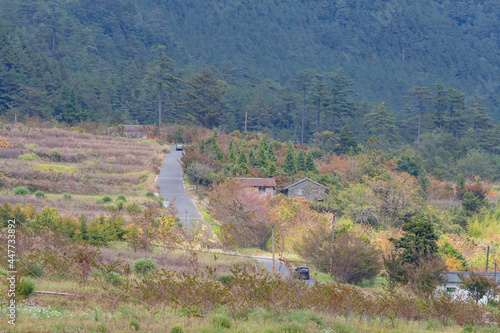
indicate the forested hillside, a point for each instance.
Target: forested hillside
{"x":293,"y":68}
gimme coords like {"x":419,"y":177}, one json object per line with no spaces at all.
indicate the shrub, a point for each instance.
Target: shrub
{"x":110,"y":207}
{"x":135,"y":324}
{"x":25,"y":287}
{"x":144,"y":176}
{"x":121,"y":197}
{"x":34,"y":270}
{"x":28,"y":157}
{"x":144,"y":266}
{"x":114,"y":278}
{"x":160,"y":199}
{"x":133,"y":208}
{"x":221,"y":320}
{"x":119,"y":204}
{"x":21,"y":190}
{"x":150,"y":194}
{"x":55,"y":155}
{"x":106,"y":198}
{"x":40,"y":194}
{"x":176,"y":329}
{"x":66,"y":196}
{"x":225,"y":278}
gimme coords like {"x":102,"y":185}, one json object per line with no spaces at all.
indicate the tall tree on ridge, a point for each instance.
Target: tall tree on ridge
{"x":480,"y":116}
{"x":457,"y":118}
{"x":319,"y":94}
{"x":339,"y":91}
{"x":304,"y":78}
{"x":421,"y":97}
{"x":205,"y":100}
{"x":160,"y":73}
{"x":441,"y":104}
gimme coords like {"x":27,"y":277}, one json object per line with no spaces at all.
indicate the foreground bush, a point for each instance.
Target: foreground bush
{"x":144,"y":266}
{"x":25,"y":287}
{"x":21,"y":190}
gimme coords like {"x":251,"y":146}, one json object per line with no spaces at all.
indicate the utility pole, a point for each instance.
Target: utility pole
{"x":487,"y":258}
{"x":281,"y":256}
{"x":273,"y":249}
{"x":246,"y":118}
{"x":333,"y":238}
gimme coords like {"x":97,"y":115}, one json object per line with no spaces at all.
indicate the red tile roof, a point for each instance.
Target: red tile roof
{"x":256,"y":182}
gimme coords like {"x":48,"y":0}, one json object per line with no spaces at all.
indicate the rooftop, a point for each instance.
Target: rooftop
{"x":256,"y":182}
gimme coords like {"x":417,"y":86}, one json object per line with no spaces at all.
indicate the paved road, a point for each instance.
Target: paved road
{"x":171,"y":186}
{"x":280,"y":268}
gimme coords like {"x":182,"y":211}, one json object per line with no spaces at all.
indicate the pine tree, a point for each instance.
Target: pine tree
{"x":72,"y":113}
{"x":301,"y":161}
{"x":204,"y":102}
{"x":232,"y":152}
{"x":319,"y":95}
{"x":242,"y":162}
{"x":161,"y":73}
{"x":381,"y":123}
{"x":441,"y":104}
{"x":480,"y":117}
{"x":457,"y":118}
{"x":310,"y":166}
{"x":348,"y":143}
{"x":339,"y":93}
{"x":303,"y":80}
{"x":271,"y":154}
{"x":262,"y":154}
{"x":421,"y":98}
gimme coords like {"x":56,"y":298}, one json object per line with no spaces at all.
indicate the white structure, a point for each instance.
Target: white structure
{"x":453,"y":282}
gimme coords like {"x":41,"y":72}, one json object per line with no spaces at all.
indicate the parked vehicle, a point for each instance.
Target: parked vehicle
{"x":303,"y":272}
{"x":179,"y":147}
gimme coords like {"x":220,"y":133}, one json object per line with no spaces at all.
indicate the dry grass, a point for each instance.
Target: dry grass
{"x":84,"y":165}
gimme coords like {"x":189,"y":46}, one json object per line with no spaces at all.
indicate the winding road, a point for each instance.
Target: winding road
{"x":170,"y":181}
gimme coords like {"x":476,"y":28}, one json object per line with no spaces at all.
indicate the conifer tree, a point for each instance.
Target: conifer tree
{"x":261,"y":154}
{"x":480,"y":117}
{"x":232,"y":152}
{"x":381,"y":123}
{"x":441,"y":103}
{"x":421,"y":98}
{"x":339,"y":92}
{"x":242,"y":162}
{"x":289,"y":165}
{"x":310,"y":166}
{"x":301,"y":160}
{"x":457,"y":118}
{"x":303,"y":80}
{"x":161,"y":73}
{"x":319,"y":94}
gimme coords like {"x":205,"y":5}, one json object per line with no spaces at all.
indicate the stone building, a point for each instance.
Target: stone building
{"x":265,"y":186}
{"x":306,"y":188}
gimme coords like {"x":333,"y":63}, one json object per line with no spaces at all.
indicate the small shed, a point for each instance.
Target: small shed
{"x":306,"y":188}
{"x":452,"y":282}
{"x":264,"y":186}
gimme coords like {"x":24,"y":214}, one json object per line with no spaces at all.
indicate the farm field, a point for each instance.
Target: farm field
{"x":73,"y":172}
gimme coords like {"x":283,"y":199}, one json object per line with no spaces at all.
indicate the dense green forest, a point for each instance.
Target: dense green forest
{"x":403,"y":72}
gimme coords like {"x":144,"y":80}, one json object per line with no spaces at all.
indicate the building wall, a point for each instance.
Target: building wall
{"x":307,"y":190}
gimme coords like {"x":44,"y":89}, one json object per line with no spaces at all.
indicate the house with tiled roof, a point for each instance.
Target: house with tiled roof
{"x":265,"y":186}
{"x":306,"y":188}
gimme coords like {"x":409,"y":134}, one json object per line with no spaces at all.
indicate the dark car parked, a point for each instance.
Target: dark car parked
{"x":179,"y":147}
{"x":303,"y":272}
